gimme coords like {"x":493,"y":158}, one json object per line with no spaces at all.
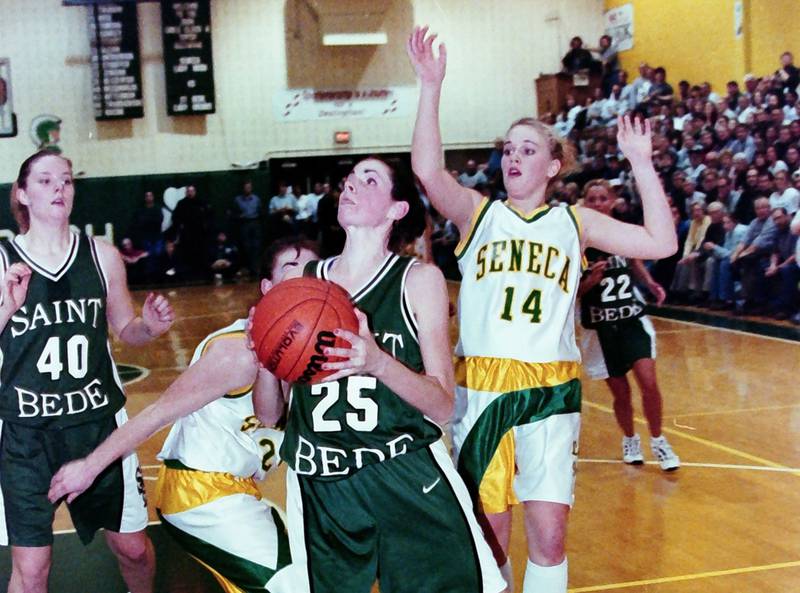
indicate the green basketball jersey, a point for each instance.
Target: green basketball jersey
{"x":335,"y":428}
{"x":615,"y":298}
{"x":56,"y":368}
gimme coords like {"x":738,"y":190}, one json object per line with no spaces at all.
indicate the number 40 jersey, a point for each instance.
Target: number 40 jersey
{"x":56,"y":368}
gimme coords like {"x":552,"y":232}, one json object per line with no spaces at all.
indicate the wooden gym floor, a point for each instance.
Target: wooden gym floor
{"x":728,"y":520}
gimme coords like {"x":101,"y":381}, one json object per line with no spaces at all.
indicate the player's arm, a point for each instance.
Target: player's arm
{"x":656,"y":239}
{"x":642,"y":273}
{"x":269,"y":401}
{"x":454,"y":201}
{"x":226,"y":366}
{"x":13,"y":290}
{"x":157,"y":314}
{"x":431,"y":392}
{"x":593,"y":278}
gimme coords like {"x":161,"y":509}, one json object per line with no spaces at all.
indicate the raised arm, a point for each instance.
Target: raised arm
{"x":656,"y":239}
{"x":198,"y":385}
{"x":454,"y":201}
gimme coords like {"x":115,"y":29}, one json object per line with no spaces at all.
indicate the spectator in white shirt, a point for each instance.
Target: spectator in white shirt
{"x":472,"y":176}
{"x":784,"y":196}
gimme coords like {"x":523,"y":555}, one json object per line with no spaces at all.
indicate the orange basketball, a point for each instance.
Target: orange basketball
{"x":294,"y":321}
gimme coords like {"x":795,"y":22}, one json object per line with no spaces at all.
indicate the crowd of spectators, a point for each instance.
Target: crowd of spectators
{"x":730,"y":165}
{"x":195,"y":246}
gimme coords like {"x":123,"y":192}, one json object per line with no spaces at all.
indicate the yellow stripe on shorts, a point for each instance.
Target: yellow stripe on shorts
{"x":502,"y":375}
{"x":179,"y":490}
{"x":497,"y":485}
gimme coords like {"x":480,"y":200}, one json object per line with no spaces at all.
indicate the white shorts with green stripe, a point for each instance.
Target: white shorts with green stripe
{"x":225,"y":524}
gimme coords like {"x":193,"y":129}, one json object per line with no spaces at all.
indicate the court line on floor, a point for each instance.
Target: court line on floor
{"x":696,"y":439}
{"x":733,"y":466}
{"x":725,"y":329}
{"x":68,"y":531}
{"x":736,"y":411}
{"x":687,"y":577}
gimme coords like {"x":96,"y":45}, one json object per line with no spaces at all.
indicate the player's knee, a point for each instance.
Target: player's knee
{"x":550,"y":554}
{"x":130,"y":548}
{"x":548,"y":550}
{"x":31,"y":574}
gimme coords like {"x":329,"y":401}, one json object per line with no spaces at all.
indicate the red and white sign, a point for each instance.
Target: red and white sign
{"x":316,"y":104}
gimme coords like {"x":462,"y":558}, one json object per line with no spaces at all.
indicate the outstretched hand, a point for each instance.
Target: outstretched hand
{"x":635,"y":139}
{"x":71,"y":481}
{"x":157,"y":314}
{"x":364,"y":357}
{"x":429,"y":67}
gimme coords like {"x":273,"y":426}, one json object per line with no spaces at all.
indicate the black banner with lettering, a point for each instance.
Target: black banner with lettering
{"x":188,"y":65}
{"x":116,"y":65}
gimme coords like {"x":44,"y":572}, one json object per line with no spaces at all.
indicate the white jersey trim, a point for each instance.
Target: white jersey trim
{"x":19,"y":245}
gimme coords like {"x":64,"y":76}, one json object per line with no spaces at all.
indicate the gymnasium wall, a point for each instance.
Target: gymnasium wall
{"x":496,"y":51}
{"x":774,"y":30}
{"x":695,"y":41}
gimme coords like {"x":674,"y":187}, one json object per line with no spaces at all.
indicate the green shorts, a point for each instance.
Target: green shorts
{"x":613,"y":348}
{"x":30,"y":457}
{"x":406,"y":522}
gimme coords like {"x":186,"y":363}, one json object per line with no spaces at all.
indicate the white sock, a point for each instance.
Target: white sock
{"x":508,"y":575}
{"x":545,"y":579}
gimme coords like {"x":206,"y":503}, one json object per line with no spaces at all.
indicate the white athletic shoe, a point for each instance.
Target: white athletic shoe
{"x":664,"y":454}
{"x":632,"y":450}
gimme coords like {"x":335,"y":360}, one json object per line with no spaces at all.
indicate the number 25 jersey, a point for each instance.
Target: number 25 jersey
{"x":520,"y":275}
{"x":335,"y":428}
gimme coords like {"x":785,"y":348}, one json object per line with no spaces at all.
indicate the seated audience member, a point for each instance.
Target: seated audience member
{"x":224,"y":258}
{"x":721,"y":283}
{"x":783,"y":272}
{"x":170,"y":269}
{"x":663,"y":270}
{"x":661,"y":92}
{"x":688,"y":280}
{"x":134,"y":259}
{"x":788,"y":74}
{"x":577,"y":58}
{"x":751,"y":258}
{"x":472,"y":176}
{"x":784,"y":196}
{"x":696,"y":164}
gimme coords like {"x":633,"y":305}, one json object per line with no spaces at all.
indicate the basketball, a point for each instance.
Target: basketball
{"x":294,"y":322}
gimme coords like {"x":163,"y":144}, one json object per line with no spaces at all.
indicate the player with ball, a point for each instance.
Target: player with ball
{"x":372,"y":493}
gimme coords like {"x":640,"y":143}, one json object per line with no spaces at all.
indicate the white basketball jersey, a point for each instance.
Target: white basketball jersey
{"x":224,"y":435}
{"x":520,"y":277}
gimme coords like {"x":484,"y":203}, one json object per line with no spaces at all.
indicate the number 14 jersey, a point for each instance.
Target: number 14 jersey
{"x":335,"y":428}
{"x":520,"y":274}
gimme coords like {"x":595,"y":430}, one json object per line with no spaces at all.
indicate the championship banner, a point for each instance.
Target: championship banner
{"x":619,"y":25}
{"x":314,"y":104}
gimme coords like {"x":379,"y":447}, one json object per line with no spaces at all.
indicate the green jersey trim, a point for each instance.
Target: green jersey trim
{"x":477,"y":218}
{"x":532,"y":217}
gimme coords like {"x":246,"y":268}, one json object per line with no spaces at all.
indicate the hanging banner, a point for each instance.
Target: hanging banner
{"x":315,"y":104}
{"x":619,"y":25}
